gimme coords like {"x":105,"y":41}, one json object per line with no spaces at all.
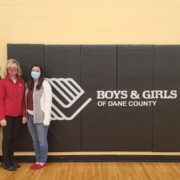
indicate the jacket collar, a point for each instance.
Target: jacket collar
{"x":10,"y":80}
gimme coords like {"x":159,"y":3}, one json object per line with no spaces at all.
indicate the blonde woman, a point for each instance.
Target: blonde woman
{"x":0,"y":123}
{"x":0,"y":73}
{"x":12,"y":111}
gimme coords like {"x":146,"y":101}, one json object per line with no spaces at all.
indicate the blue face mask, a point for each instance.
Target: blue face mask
{"x":35,"y":75}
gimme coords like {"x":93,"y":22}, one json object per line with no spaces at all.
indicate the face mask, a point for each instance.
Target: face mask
{"x":35,"y":75}
{"x":12,"y":72}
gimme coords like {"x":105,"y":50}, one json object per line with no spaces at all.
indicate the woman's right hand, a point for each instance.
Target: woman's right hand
{"x":3,"y":122}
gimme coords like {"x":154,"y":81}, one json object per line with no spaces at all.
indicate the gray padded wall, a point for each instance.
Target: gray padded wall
{"x":109,"y":67}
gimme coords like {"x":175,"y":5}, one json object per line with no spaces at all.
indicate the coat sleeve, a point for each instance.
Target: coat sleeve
{"x":2,"y":100}
{"x":23,"y":103}
{"x":48,"y":102}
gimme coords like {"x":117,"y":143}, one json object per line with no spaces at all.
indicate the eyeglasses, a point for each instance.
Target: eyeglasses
{"x":12,"y":68}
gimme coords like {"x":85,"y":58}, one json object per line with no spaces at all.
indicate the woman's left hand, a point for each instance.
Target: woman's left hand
{"x":24,"y":120}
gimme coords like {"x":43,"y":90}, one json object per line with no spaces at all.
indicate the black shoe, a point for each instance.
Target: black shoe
{"x":15,"y":165}
{"x":9,"y":168}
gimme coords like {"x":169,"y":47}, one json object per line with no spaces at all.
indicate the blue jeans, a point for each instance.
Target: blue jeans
{"x":39,"y":136}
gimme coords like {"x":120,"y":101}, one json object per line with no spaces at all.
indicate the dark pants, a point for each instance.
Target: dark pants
{"x":10,"y":135}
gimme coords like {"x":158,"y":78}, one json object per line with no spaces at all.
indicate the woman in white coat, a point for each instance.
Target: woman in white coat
{"x":38,"y":98}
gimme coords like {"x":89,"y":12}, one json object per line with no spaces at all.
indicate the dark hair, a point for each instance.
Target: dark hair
{"x":30,"y":82}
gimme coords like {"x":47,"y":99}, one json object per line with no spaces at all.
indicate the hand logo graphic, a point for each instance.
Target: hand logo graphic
{"x":71,"y":92}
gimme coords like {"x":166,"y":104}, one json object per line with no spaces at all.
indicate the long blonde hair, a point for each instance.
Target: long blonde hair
{"x":0,"y":72}
{"x":9,"y":63}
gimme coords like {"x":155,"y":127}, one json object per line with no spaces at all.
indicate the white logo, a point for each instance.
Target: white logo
{"x":70,"y":91}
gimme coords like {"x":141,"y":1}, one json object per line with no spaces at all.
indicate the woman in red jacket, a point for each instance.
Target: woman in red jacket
{"x":0,"y":123}
{"x":12,"y":111}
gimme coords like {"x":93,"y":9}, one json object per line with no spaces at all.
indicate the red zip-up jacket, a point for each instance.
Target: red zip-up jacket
{"x":12,"y":102}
